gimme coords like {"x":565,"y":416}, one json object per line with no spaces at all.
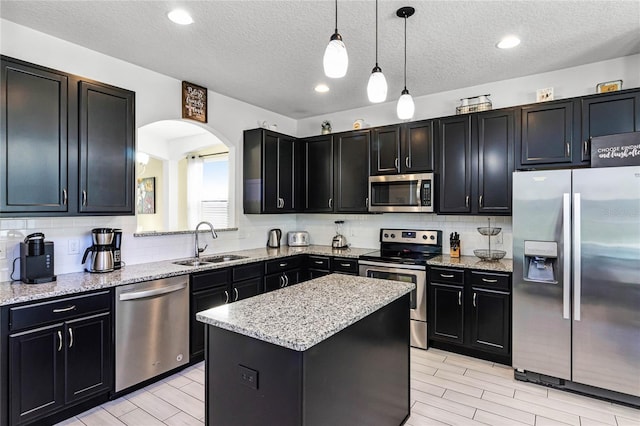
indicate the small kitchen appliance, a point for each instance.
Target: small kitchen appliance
{"x":36,"y":260}
{"x":339,"y":240}
{"x":101,"y":259}
{"x":117,"y":243}
{"x":273,"y":238}
{"x":403,"y":256}
{"x":298,"y":238}
{"x":411,"y":193}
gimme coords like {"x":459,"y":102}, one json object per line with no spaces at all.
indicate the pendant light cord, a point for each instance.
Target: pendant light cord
{"x":405,"y":52}
{"x":376,"y":33}
{"x":336,"y":16}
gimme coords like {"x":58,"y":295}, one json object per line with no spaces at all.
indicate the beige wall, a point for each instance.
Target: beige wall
{"x":153,"y":222}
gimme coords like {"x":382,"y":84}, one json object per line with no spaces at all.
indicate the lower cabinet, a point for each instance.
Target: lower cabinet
{"x":470,"y":312}
{"x":59,"y":355}
{"x":283,"y":272}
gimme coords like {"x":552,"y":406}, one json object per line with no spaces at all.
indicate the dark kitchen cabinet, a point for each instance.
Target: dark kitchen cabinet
{"x":318,"y":266}
{"x":318,"y":180}
{"x":107,"y":149}
{"x":470,"y":312}
{"x":549,"y":135}
{"x":272,"y":172}
{"x":344,"y":265}
{"x":609,"y":114}
{"x":454,"y":174}
{"x":67,"y":144}
{"x":283,"y":272}
{"x":403,"y":148}
{"x":34,"y":139}
{"x":337,"y":173}
{"x":59,"y":355}
{"x":208,"y":290}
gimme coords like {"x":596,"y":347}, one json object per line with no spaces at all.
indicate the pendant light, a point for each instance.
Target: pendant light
{"x":377,"y":87}
{"x":406,"y":107}
{"x":335,"y":59}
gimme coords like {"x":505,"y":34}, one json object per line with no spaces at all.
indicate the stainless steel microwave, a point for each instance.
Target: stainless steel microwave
{"x":401,"y":193}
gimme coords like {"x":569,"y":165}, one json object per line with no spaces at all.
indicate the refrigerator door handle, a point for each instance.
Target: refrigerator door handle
{"x":566,"y":244}
{"x":577,"y":278}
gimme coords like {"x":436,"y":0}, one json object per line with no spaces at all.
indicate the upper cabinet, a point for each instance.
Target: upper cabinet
{"x":454,"y":174}
{"x":318,"y":174}
{"x":403,"y":148}
{"x":272,"y":172}
{"x":609,"y":114}
{"x":67,"y":144}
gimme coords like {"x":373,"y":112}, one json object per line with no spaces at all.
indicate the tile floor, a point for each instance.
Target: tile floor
{"x":446,"y":389}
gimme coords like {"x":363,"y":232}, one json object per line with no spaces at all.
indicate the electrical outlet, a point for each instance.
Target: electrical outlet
{"x":73,"y":246}
{"x":248,"y":377}
{"x":3,"y":249}
{"x":498,"y":239}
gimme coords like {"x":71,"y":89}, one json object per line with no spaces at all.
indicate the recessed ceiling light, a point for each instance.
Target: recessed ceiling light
{"x":321,"y":88}
{"x":180,"y":16}
{"x":508,"y":42}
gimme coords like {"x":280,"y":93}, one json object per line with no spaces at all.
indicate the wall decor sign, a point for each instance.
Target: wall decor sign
{"x":146,"y":196}
{"x":616,"y":150}
{"x":194,"y":102}
{"x":609,"y":86}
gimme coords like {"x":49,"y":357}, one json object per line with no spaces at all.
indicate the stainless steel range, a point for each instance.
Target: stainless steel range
{"x":403,"y":256}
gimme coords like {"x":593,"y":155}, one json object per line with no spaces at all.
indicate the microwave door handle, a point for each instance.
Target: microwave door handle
{"x":418,"y":190}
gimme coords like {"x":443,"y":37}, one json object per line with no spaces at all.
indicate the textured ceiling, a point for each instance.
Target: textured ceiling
{"x":269,"y":53}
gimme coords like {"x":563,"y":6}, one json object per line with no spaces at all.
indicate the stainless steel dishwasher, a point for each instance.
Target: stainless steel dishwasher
{"x":152,"y":329}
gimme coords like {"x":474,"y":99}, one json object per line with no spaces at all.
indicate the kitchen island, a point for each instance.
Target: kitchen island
{"x":333,"y":350}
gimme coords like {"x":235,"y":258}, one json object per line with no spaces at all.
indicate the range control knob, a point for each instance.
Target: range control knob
{"x":386,"y":235}
{"x":393,"y":235}
{"x":432,"y":237}
{"x":424,"y":237}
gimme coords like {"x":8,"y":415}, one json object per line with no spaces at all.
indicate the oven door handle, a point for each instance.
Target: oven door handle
{"x":391,"y":267}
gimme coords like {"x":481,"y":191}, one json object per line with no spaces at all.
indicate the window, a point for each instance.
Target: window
{"x":215,"y":190}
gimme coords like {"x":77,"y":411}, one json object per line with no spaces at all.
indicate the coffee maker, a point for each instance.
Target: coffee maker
{"x":101,"y":259}
{"x":36,"y":260}
{"x":117,"y":242}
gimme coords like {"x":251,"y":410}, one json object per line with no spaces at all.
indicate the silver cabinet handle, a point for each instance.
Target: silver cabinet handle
{"x":330,"y":203}
{"x":280,"y":203}
{"x":466,"y":201}
{"x":133,"y":295}
{"x":318,"y":262}
{"x":366,"y":202}
{"x":480,"y":200}
{"x":446,"y":275}
{"x":396,"y":163}
{"x":84,"y":197}
{"x":283,"y":264}
{"x":586,"y":146}
{"x":566,"y":244}
{"x":346,"y":265}
{"x":281,"y":278}
{"x":70,"y":338}
{"x":474,"y":299}
{"x":577,"y":241}
{"x":406,"y":162}
{"x":286,"y":280}
{"x":459,"y":298}
{"x":64,"y":197}
{"x":568,"y":149}
{"x":59,"y":340}
{"x":67,"y":309}
{"x":237,"y":295}
{"x":486,"y":280}
{"x":226,"y":297}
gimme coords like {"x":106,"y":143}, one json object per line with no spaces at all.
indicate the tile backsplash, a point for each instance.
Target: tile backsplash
{"x":360,"y":230}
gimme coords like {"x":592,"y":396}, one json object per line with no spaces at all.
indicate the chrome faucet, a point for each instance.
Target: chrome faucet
{"x":199,"y":250}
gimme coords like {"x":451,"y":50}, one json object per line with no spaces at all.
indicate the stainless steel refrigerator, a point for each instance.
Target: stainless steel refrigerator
{"x":576,"y":279}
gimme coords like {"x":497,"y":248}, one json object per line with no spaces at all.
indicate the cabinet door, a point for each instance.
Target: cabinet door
{"x":490,"y":322}
{"x":446,"y":318}
{"x":385,"y":151}
{"x":604,"y":115}
{"x":270,"y":157}
{"x":200,"y":301}
{"x":33,"y":141}
{"x":247,"y":288}
{"x":274,"y":282}
{"x":288,"y":175}
{"x":88,"y":345}
{"x":454,"y":144}
{"x":318,"y":154}
{"x":36,"y":373}
{"x":417,"y":147}
{"x":107,"y":149}
{"x":351,"y":165}
{"x":496,"y":136}
{"x":547,"y":134}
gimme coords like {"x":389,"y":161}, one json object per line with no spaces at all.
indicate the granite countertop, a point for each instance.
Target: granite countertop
{"x":303,"y":315}
{"x":472,"y":262}
{"x":66,"y":284}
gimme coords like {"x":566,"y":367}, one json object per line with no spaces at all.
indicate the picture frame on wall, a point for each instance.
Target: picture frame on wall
{"x":146,"y":195}
{"x":194,"y":102}
{"x":609,"y":86}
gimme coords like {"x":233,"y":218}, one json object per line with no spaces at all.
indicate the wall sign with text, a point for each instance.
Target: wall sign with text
{"x":616,"y":150}
{"x":194,"y":102}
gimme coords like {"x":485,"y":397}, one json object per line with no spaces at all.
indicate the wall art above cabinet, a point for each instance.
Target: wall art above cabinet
{"x":67,"y":144}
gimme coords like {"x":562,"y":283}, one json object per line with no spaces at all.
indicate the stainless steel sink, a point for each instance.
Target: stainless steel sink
{"x":210,"y":259}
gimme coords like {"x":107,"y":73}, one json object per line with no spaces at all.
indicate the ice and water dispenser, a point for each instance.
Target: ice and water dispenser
{"x":541,"y":261}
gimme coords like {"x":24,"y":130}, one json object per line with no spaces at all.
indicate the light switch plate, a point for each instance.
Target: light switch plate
{"x":74,"y":246}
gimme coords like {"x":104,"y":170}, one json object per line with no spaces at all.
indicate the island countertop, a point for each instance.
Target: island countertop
{"x":303,"y":315}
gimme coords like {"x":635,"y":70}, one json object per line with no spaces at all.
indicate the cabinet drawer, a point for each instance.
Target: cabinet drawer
{"x":203,"y":280}
{"x":491,"y":280}
{"x":445,"y":275}
{"x":346,"y":265}
{"x":282,"y":264}
{"x":38,"y":314}
{"x":318,"y":262}
{"x":244,"y":272}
